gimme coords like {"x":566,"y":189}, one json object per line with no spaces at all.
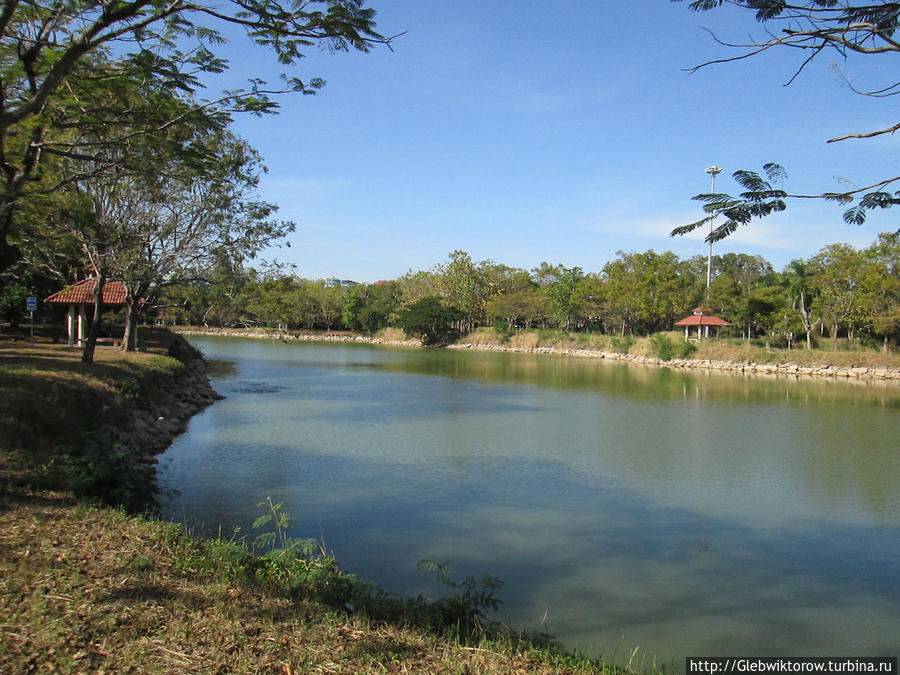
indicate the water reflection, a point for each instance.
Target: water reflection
{"x":691,"y":513}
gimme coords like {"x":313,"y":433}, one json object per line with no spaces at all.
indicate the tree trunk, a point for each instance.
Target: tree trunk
{"x":9,"y":254}
{"x":87,"y":356}
{"x":129,"y":339}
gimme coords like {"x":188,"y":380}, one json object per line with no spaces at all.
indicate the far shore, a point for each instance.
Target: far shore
{"x":783,"y":367}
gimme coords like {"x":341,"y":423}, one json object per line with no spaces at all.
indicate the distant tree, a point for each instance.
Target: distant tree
{"x":459,"y":284}
{"x":837,"y":270}
{"x":768,"y":306}
{"x":524,"y":307}
{"x":880,"y":288}
{"x":368,"y":308}
{"x":430,"y":319}
{"x":801,"y":286}
{"x":558,"y":284}
{"x":415,"y":286}
{"x":588,"y":302}
{"x":648,"y":291}
{"x":12,"y":302}
{"x":811,"y":27}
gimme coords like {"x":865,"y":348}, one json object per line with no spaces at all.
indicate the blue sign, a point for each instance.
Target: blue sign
{"x":31,"y":304}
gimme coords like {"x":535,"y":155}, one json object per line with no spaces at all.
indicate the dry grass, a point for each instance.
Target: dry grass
{"x":484,"y":336}
{"x":391,"y":335}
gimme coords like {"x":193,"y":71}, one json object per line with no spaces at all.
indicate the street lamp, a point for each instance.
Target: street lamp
{"x":713,"y":171}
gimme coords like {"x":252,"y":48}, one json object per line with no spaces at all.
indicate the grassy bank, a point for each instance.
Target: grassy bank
{"x":88,"y":588}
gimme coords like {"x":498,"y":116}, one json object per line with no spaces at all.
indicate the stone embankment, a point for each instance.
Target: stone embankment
{"x":745,"y":367}
{"x":155,"y":424}
{"x":339,"y":336}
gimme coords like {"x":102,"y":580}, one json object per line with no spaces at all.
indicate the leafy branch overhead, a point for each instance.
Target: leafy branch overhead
{"x":813,"y":27}
{"x":68,"y":71}
{"x":762,"y":198}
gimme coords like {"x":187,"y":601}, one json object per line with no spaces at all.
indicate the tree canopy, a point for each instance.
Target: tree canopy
{"x":812,"y":27}
{"x":66,"y":69}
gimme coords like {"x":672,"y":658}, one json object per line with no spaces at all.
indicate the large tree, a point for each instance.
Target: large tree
{"x":813,"y":27}
{"x":49,"y":54}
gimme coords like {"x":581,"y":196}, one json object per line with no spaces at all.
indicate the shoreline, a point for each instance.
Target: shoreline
{"x":738,"y":367}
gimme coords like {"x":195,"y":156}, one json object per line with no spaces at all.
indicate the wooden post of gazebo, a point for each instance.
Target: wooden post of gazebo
{"x":702,"y":318}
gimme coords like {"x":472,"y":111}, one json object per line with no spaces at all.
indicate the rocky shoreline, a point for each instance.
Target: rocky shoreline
{"x":742,"y":367}
{"x":153,"y":426}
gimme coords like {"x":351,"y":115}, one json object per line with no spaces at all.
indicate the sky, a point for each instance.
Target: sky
{"x":559,"y":132}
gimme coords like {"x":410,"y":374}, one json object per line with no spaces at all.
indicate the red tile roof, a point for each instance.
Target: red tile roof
{"x":702,"y":320}
{"x":82,"y":292}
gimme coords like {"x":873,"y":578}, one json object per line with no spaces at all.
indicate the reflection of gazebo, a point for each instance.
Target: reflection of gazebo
{"x":80,"y":295}
{"x":701,"y":317}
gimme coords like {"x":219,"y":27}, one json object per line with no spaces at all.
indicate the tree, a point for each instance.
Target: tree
{"x":837,"y":268}
{"x":459,"y":284}
{"x":154,"y":227}
{"x":429,"y":319}
{"x":648,"y":291}
{"x":47,"y":46}
{"x":812,"y":27}
{"x":368,"y":308}
{"x":768,"y":305}
{"x":588,"y":301}
{"x":558,"y":284}
{"x":801,"y":288}
{"x":880,"y":288}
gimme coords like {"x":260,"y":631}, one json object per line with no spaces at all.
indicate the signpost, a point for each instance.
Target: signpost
{"x":31,"y":307}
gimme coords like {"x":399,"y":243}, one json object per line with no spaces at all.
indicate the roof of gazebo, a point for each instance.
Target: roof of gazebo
{"x":699,"y":318}
{"x":82,"y":293}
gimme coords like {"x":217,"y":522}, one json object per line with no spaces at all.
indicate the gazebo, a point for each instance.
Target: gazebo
{"x":702,"y":318}
{"x":78,"y":296}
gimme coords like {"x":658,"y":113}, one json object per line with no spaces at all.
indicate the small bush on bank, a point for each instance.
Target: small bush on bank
{"x":622,"y":344}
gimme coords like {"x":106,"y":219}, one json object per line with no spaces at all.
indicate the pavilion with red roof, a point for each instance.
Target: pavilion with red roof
{"x":702,"y":318}
{"x":78,"y":296}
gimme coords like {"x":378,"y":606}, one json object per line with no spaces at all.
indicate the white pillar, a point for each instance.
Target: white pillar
{"x":70,"y":326}
{"x":82,"y":322}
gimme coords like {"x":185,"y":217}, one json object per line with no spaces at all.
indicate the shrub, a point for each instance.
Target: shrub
{"x":667,"y":349}
{"x":429,"y":319}
{"x":622,"y":344}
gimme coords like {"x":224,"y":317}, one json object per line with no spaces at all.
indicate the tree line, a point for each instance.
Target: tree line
{"x":841,"y":291}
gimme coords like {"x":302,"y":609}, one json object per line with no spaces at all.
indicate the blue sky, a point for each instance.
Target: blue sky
{"x":524,"y":132}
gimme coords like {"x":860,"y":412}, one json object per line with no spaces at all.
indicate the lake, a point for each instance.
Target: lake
{"x":623,"y":506}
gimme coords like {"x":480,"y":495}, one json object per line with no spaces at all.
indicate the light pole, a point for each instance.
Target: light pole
{"x":712,"y":171}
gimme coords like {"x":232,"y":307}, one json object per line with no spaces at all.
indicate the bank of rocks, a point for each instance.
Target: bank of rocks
{"x":153,"y":424}
{"x":286,"y":336}
{"x":745,"y":367}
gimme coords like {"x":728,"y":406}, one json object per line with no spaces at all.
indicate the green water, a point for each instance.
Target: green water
{"x":623,"y":506}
